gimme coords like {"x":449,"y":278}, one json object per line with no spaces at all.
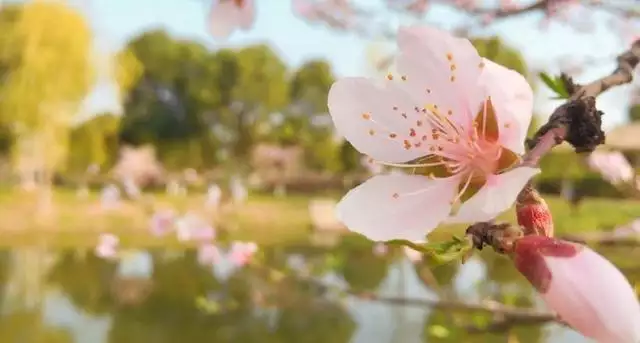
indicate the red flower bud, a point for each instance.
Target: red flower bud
{"x":533,"y":214}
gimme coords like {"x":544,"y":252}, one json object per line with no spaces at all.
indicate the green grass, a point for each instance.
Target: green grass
{"x":264,"y":219}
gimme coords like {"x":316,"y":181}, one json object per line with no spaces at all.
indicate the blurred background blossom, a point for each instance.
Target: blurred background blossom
{"x":169,"y":170}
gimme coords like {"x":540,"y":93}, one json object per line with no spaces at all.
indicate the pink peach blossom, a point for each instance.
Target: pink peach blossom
{"x":192,"y":227}
{"x":612,"y":165}
{"x":457,"y":119}
{"x":208,"y":254}
{"x":336,"y":13}
{"x":241,"y":253}
{"x":412,"y":254}
{"x":107,"y":246}
{"x":380,"y":249}
{"x":226,"y":16}
{"x":586,"y":290}
{"x":162,"y":222}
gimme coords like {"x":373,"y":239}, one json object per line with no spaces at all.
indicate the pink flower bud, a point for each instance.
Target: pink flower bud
{"x":533,"y":214}
{"x":585,"y":289}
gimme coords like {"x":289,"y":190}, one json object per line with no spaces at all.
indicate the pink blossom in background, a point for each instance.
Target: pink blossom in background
{"x":612,"y":165}
{"x":585,"y":289}
{"x":131,"y":188}
{"x":447,"y":110}
{"x":162,"y":222}
{"x":192,"y":227}
{"x":208,"y":254}
{"x":241,"y":253}
{"x":380,"y":249}
{"x":93,"y":169}
{"x":227,"y":16}
{"x":239,"y":192}
{"x":336,"y":13}
{"x":110,"y":197}
{"x":107,"y":246}
{"x":214,"y":196}
{"x":412,"y":254}
{"x":628,"y":230}
{"x":417,"y":7}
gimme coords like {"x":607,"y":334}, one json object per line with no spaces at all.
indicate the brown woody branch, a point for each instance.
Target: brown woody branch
{"x":577,"y":121}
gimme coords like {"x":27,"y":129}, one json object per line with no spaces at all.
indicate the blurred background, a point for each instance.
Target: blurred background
{"x":142,"y":157}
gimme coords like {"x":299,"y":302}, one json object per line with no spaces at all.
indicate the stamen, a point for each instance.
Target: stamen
{"x":464,"y":188}
{"x":411,"y":165}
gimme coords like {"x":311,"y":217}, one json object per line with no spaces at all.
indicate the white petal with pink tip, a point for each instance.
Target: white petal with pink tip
{"x":512,"y":98}
{"x":592,"y":295}
{"x":369,"y":115}
{"x":497,"y":196}
{"x":226,"y":16}
{"x":394,"y":206}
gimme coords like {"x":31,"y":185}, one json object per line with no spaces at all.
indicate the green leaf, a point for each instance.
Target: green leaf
{"x":550,"y":82}
{"x":562,"y":89}
{"x":207,"y":306}
{"x":555,"y":84}
{"x":439,"y":331}
{"x":438,"y":253}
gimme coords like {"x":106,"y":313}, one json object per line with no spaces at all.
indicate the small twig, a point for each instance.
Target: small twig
{"x":512,"y":315}
{"x":574,"y":120}
{"x":509,"y":11}
{"x":515,"y":314}
{"x":604,"y":238}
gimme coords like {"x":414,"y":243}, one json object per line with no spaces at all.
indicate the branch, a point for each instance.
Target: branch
{"x":504,"y":316}
{"x":604,"y":238}
{"x":491,"y":307}
{"x":503,"y":12}
{"x":577,"y":121}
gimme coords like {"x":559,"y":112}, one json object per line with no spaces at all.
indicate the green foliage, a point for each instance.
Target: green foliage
{"x":556,"y":84}
{"x":349,"y":157}
{"x":46,"y":60}
{"x":310,"y":86}
{"x":93,"y":142}
{"x":634,"y":113}
{"x":185,"y":90}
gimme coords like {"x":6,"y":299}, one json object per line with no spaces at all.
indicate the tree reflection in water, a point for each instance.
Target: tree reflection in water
{"x":286,"y":296}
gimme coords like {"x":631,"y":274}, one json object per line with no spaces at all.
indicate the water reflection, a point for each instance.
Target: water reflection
{"x":168,"y":296}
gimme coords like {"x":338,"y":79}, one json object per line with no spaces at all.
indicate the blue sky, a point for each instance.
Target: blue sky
{"x":117,"y":21}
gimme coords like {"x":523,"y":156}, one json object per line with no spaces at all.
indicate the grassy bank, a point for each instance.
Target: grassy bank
{"x":264,"y":219}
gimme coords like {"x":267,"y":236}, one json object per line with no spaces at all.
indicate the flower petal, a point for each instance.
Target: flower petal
{"x":441,"y":69}
{"x":246,"y":14}
{"x":227,"y":16}
{"x":512,"y":99}
{"x":498,"y":194}
{"x":397,"y":206}
{"x":379,"y":120}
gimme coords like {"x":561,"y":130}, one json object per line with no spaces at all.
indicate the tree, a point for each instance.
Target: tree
{"x":261,"y":88}
{"x":310,"y":86}
{"x":47,"y":61}
{"x":167,"y":106}
{"x":306,"y":121}
{"x":94,"y":142}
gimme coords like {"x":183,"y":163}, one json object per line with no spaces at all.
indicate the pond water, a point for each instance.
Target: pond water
{"x":167,"y":296}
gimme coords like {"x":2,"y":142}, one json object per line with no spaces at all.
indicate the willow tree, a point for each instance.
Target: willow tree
{"x":46,"y":55}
